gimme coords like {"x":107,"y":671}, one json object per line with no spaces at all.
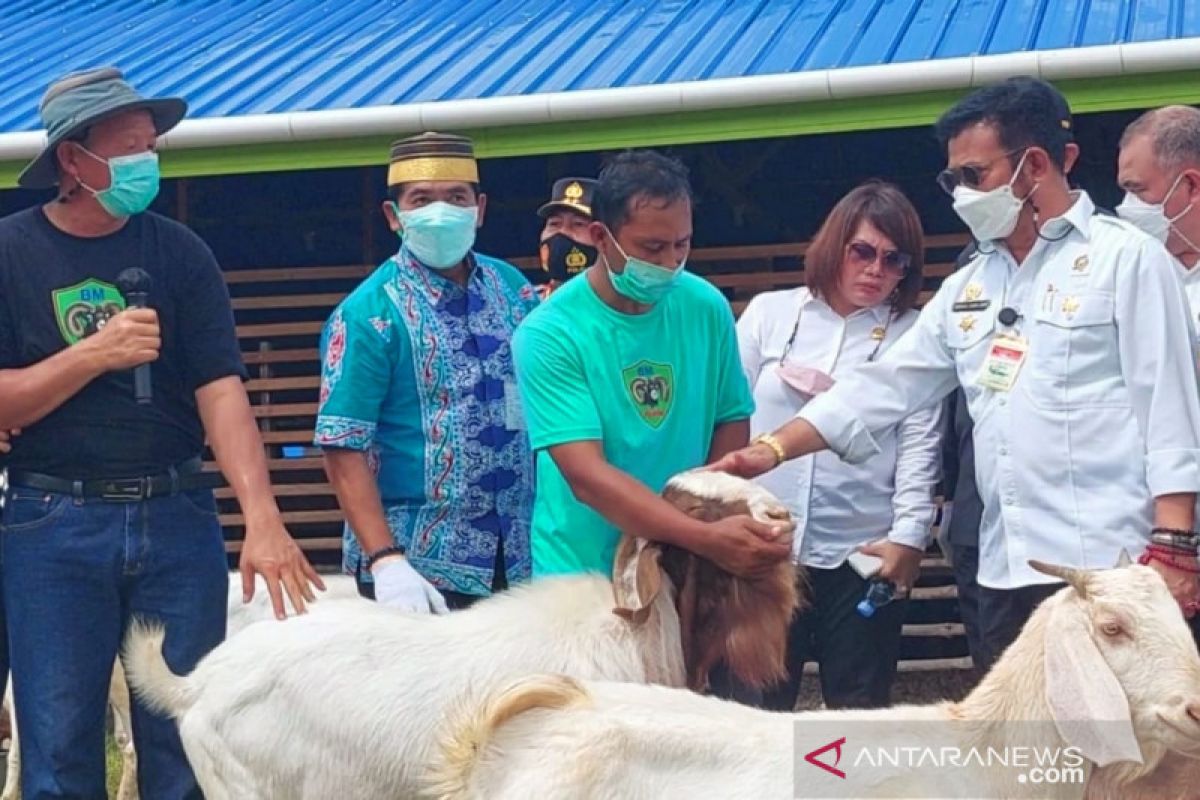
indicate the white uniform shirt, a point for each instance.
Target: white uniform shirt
{"x":1103,"y":417}
{"x":1191,"y":287}
{"x":838,"y":506}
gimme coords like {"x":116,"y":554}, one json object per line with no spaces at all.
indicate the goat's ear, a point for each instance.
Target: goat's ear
{"x":1077,"y":579}
{"x":637,"y":578}
{"x":1088,"y":705}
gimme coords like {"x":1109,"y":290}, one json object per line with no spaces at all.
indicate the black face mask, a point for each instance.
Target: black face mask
{"x":564,"y":258}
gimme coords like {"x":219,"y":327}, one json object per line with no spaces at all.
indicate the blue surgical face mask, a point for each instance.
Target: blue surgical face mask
{"x":132,"y":186}
{"x":642,"y":281}
{"x":438,"y":235}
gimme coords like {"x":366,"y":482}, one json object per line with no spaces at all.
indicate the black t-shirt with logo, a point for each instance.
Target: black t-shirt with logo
{"x":56,"y":289}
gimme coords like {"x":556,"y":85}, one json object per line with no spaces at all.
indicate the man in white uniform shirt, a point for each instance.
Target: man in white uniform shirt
{"x":1159,"y":169}
{"x":1063,"y":332}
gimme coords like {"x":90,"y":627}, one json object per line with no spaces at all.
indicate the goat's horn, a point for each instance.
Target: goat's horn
{"x":1077,"y":579}
{"x":1124,"y":560}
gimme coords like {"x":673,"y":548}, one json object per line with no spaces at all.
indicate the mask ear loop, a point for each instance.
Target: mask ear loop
{"x":65,"y":197}
{"x":787,"y":348}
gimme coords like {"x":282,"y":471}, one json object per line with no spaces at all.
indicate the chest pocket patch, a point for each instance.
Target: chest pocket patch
{"x":1074,"y":357}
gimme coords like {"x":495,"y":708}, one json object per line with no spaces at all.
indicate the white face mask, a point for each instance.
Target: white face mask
{"x":1152,"y":217}
{"x":991,"y":215}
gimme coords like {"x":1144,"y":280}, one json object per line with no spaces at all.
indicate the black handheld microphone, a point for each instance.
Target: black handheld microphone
{"x":134,"y":284}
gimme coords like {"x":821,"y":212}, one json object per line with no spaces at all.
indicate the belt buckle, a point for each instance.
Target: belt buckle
{"x":125,"y":490}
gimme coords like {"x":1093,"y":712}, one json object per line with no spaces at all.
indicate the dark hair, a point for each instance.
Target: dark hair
{"x":396,"y":191}
{"x":636,"y":175}
{"x":884,"y":206}
{"x":1025,"y":112}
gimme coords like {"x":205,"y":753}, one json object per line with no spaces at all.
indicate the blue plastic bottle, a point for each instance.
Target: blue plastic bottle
{"x":879,"y":594}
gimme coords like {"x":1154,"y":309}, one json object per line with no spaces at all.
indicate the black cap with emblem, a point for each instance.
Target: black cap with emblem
{"x":570,"y":194}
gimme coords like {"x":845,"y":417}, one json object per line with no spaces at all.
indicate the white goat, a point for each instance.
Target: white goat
{"x":240,"y":615}
{"x":347,"y":702}
{"x":1106,"y":666}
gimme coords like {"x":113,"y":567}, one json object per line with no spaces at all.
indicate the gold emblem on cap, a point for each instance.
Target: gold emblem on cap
{"x":966,"y":323}
{"x":573,"y":192}
{"x":1080,"y":264}
{"x":973,"y":292}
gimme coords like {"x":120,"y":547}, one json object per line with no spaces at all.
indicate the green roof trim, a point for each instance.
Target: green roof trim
{"x":867,"y":113}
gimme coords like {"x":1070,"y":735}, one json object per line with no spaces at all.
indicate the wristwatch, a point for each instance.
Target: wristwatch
{"x":772,"y":441}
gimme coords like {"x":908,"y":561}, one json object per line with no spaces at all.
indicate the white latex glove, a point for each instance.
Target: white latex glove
{"x":399,"y":586}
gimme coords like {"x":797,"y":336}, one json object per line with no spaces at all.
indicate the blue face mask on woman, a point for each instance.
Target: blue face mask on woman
{"x":133,"y":183}
{"x":642,"y":281}
{"x":438,"y":235}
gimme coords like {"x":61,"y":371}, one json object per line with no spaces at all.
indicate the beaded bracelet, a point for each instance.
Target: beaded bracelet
{"x":1173,"y":543}
{"x":1190,"y":565}
{"x":390,"y":550}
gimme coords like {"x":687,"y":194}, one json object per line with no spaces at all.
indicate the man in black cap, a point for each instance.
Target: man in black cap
{"x":566,"y":247}
{"x":107,"y":514}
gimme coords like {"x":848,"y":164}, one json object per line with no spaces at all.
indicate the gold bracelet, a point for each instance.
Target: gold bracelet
{"x":772,"y":441}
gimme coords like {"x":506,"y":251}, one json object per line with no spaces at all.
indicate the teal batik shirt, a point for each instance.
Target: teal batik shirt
{"x":417,"y":372}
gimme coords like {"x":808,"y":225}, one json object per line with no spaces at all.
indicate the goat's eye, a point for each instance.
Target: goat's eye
{"x":1111,"y":628}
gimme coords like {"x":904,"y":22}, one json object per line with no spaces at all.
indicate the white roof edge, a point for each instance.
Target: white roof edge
{"x":586,"y":104}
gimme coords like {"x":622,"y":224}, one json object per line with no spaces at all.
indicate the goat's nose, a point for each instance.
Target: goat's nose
{"x":1193,"y":710}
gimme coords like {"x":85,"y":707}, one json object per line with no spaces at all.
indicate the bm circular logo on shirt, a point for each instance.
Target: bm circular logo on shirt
{"x":84,"y":308}
{"x":651,"y":386}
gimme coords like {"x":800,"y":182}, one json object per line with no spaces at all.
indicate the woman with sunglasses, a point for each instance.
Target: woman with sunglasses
{"x":864,"y":272}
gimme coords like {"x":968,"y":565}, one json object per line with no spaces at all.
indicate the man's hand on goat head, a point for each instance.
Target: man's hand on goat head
{"x":747,"y":548}
{"x":748,"y":462}
{"x":1184,"y":586}
{"x":270,"y":551}
{"x":901,"y":563}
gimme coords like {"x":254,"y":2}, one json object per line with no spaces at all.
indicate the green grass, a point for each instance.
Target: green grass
{"x":112,"y":757}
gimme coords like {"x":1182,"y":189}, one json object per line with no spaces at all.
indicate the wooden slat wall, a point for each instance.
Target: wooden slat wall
{"x":280,"y":313}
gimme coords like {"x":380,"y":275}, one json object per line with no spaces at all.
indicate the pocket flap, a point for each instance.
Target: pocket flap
{"x":1079,"y":310}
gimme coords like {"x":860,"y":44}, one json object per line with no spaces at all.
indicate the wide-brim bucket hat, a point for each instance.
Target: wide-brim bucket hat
{"x":79,"y":100}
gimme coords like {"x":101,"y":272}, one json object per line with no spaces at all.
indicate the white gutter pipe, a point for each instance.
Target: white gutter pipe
{"x":586,"y":104}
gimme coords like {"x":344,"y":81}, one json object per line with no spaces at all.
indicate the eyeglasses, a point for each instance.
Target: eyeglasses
{"x":969,"y":175}
{"x":892,"y":261}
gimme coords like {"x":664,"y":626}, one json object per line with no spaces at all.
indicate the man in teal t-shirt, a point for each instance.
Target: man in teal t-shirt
{"x":629,"y":376}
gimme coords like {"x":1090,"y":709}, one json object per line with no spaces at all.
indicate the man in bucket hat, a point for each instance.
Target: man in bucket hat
{"x":108,"y":516}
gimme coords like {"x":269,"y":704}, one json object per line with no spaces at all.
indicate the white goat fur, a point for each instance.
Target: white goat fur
{"x":240,"y":615}
{"x":369,"y":687}
{"x":551,"y":737}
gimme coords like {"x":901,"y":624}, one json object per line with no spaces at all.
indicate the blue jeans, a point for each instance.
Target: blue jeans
{"x":76,"y":573}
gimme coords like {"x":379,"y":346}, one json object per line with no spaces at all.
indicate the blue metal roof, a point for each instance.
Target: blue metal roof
{"x":235,"y":57}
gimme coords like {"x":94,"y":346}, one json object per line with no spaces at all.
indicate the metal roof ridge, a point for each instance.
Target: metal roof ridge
{"x":611,"y":103}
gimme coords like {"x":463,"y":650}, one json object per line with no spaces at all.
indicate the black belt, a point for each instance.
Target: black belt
{"x":179,"y":478}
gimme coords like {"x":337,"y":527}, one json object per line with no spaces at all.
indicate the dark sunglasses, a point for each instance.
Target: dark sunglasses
{"x":969,"y":175}
{"x":892,"y":261}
